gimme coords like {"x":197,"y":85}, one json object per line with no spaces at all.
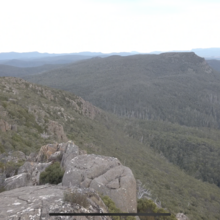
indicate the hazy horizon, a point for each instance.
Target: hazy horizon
{"x":108,"y":25}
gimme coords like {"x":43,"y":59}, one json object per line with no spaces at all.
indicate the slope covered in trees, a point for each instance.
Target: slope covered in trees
{"x":176,"y":87}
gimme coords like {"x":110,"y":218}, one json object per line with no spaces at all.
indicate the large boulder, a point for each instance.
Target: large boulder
{"x":106,"y":175}
{"x":36,"y":202}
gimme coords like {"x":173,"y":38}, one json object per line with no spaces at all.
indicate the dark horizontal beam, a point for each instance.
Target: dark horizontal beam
{"x":110,"y":214}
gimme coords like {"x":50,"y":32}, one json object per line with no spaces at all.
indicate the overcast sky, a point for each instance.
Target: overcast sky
{"x":67,"y":26}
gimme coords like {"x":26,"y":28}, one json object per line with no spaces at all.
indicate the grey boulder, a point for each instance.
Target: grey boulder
{"x":17,"y":181}
{"x":106,"y":175}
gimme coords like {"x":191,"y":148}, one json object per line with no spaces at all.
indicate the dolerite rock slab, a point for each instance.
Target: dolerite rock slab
{"x":17,"y":181}
{"x":36,"y":202}
{"x":106,"y":175}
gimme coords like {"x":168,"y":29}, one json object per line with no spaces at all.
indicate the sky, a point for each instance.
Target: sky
{"x":69,"y":26}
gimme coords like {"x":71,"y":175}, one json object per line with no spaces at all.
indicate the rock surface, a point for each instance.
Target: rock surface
{"x":181,"y":216}
{"x":12,"y":157}
{"x":56,"y":129}
{"x":17,"y":181}
{"x":106,"y":175}
{"x":33,"y":170}
{"x":36,"y":202}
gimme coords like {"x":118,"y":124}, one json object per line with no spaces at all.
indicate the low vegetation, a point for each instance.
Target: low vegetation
{"x":148,"y":206}
{"x":76,"y":198}
{"x":53,"y":174}
{"x":113,"y":209}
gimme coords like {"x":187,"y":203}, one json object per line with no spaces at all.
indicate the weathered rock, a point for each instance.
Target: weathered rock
{"x":14,"y":156}
{"x":33,"y":170}
{"x":181,"y":216}
{"x":32,"y":157}
{"x":2,"y":180}
{"x":62,"y":152}
{"x":82,"y":152}
{"x":45,"y":152}
{"x":70,"y":150}
{"x":56,"y":129}
{"x":11,"y":162}
{"x":106,"y":175}
{"x":57,"y":156}
{"x":17,"y":181}
{"x":36,"y":202}
{"x":4,"y":126}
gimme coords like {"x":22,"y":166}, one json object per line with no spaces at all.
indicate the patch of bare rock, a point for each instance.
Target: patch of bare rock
{"x":36,"y":202}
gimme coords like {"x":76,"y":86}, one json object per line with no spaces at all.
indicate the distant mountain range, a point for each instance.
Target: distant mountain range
{"x":35,"y":55}
{"x":207,"y":53}
{"x":176,"y":87}
{"x":210,"y":53}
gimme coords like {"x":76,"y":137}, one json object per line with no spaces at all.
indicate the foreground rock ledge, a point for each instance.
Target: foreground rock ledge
{"x":36,"y":202}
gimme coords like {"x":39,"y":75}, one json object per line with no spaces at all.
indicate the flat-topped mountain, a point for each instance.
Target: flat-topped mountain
{"x":176,"y":87}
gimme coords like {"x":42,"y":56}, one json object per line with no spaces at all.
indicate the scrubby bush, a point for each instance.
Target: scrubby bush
{"x":113,"y":209}
{"x":53,"y":174}
{"x":148,"y":206}
{"x":76,"y":197}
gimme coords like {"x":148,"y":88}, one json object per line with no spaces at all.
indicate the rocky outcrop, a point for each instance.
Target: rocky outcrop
{"x":36,"y":202}
{"x":28,"y":175}
{"x":16,"y":181}
{"x":12,"y":157}
{"x":56,"y":129}
{"x":33,"y":170}
{"x":45,"y":152}
{"x":106,"y":175}
{"x":10,"y":162}
{"x":4,"y":126}
{"x":70,"y":151}
{"x":181,"y":216}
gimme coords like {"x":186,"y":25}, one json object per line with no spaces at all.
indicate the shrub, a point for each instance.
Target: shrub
{"x":2,"y":189}
{"x":53,"y":174}
{"x":148,"y":206}
{"x":76,"y":197}
{"x":113,"y":209}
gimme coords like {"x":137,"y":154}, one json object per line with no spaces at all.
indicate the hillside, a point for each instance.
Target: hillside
{"x":37,"y":62}
{"x":33,"y":115}
{"x":6,"y":70}
{"x":176,"y":87}
{"x":215,"y":64}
